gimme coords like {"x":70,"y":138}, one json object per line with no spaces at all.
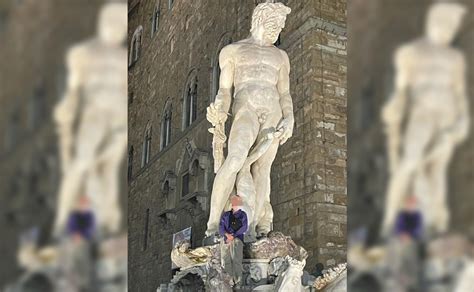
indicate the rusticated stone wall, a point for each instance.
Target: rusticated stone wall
{"x":309,"y":174}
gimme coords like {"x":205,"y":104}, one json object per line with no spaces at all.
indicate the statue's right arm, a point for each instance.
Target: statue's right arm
{"x":65,"y":112}
{"x":393,"y":110}
{"x":226,"y":80}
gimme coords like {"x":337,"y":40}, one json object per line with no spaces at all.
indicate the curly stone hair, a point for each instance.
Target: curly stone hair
{"x":266,"y":11}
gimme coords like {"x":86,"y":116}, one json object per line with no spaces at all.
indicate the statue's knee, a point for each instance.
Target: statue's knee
{"x":235,"y":163}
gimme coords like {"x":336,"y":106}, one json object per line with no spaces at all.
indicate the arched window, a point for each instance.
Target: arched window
{"x":135,"y":46}
{"x":146,"y":146}
{"x":190,"y":102}
{"x":166,"y":126}
{"x":216,"y":70}
{"x":130,"y":163}
{"x":155,"y":19}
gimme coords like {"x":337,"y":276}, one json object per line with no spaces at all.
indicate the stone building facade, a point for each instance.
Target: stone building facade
{"x":173,"y":73}
{"x":376,"y":29}
{"x":34,"y":38}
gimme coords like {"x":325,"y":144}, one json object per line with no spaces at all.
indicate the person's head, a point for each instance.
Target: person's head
{"x":443,"y":22}
{"x":83,"y":203}
{"x":319,"y":267}
{"x":236,"y":202}
{"x":411,"y":203}
{"x":268,"y":20}
{"x":113,"y":23}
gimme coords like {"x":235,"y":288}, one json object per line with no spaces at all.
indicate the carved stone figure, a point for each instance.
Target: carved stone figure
{"x":290,"y":279}
{"x":259,"y":74}
{"x":92,"y":121}
{"x":426,"y":118}
{"x":184,"y":257}
{"x":333,"y":275}
{"x":275,"y":245}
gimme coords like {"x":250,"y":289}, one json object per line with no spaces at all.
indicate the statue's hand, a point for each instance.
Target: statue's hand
{"x":285,"y":127}
{"x":215,"y":114}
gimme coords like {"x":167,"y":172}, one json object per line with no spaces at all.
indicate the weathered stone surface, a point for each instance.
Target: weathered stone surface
{"x":273,"y":246}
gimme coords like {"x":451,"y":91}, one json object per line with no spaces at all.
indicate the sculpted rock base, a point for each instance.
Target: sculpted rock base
{"x":274,"y":263}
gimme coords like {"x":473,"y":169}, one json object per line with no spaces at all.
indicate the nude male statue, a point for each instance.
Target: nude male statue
{"x":259,"y":73}
{"x":430,"y":100}
{"x":92,"y":121}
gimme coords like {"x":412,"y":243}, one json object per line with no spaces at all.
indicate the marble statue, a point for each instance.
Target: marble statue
{"x":258,"y":72}
{"x":426,"y":118}
{"x":290,"y":279}
{"x":184,"y":257}
{"x":92,"y":121}
{"x":334,"y":279}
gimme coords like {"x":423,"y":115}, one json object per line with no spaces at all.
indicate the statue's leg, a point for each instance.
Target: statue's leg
{"x":261,"y":176}
{"x":242,"y":136}
{"x":109,"y":179}
{"x":416,"y":140}
{"x":438,"y":181}
{"x":73,"y":182}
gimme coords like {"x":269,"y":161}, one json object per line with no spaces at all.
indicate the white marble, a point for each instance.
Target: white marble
{"x":426,"y":118}
{"x":92,"y":121}
{"x":262,"y":110}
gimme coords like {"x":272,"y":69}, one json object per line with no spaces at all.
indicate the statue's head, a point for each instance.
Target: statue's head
{"x":113,"y":23}
{"x":268,"y":20}
{"x":443,"y":22}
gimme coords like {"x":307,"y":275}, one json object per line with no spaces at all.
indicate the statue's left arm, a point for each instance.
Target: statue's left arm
{"x":287,"y":124}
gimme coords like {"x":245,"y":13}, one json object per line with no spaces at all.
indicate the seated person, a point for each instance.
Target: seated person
{"x":409,"y":222}
{"x":81,"y":222}
{"x":232,"y":227}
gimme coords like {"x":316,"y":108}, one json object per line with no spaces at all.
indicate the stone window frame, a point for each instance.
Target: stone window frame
{"x":191,"y":156}
{"x":169,"y":196}
{"x":130,"y":157}
{"x":225,"y":40}
{"x":166,"y":125}
{"x":155,"y":18}
{"x":135,"y":46}
{"x":190,"y":100}
{"x":146,"y":151}
{"x":187,"y":174}
{"x":146,"y":230}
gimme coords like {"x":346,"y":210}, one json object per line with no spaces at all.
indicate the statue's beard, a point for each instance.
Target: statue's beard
{"x":271,"y":36}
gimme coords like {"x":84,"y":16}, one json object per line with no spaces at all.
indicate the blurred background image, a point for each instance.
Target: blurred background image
{"x":62,"y":63}
{"x":411,"y":145}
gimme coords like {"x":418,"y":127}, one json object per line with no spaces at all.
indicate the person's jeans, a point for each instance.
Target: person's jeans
{"x":232,"y":254}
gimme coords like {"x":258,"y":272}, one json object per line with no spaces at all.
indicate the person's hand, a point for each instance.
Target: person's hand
{"x":285,"y":128}
{"x":77,"y":237}
{"x":215,"y":114}
{"x":230,"y":237}
{"x":405,"y":237}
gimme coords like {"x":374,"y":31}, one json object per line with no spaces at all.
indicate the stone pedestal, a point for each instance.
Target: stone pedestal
{"x":256,"y":273}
